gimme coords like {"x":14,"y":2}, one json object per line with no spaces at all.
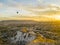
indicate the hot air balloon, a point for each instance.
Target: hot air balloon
{"x":17,"y":12}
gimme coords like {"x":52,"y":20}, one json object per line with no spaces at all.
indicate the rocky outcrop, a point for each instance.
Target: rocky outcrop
{"x":22,"y":37}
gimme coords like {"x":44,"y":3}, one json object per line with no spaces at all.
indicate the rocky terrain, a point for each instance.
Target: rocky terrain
{"x":28,"y":32}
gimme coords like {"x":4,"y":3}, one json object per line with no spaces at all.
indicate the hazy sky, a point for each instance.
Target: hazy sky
{"x":10,"y":7}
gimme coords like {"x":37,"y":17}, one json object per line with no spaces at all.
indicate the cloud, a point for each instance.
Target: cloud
{"x":1,"y":5}
{"x":39,"y":0}
{"x":12,"y":7}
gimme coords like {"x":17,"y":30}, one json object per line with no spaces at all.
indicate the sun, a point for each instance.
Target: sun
{"x":57,"y":17}
{"x":53,"y":17}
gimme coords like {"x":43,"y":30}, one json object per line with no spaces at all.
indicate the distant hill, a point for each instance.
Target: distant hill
{"x":19,"y":21}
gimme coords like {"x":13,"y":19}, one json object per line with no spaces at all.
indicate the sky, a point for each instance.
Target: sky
{"x":8,"y":8}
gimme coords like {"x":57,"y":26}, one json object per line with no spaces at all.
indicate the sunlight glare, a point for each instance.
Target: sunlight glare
{"x":57,"y":17}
